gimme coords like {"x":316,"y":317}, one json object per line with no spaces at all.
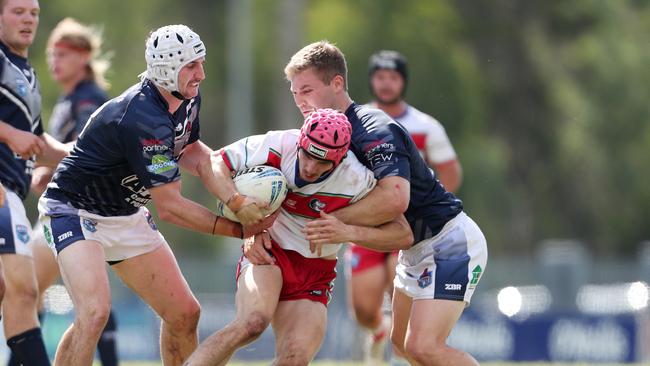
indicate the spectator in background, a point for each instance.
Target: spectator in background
{"x":370,"y":274}
{"x":77,"y":66}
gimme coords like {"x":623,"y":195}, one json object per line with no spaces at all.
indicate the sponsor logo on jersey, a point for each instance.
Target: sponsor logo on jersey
{"x":90,"y":225}
{"x":62,"y":237}
{"x":21,"y":87}
{"x":425,"y":278}
{"x":155,"y":148}
{"x":316,"y":205}
{"x":48,"y":234}
{"x":22,"y":232}
{"x":313,"y":149}
{"x":161,"y":164}
{"x":476,"y":276}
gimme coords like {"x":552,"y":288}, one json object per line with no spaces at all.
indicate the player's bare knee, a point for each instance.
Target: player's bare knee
{"x":92,"y":318}
{"x":22,"y":294}
{"x":425,"y":353}
{"x":255,"y":324}
{"x":370,"y":319}
{"x":185,"y":318}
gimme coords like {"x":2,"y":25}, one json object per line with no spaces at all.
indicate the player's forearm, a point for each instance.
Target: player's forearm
{"x":191,"y":215}
{"x":6,"y":131}
{"x":384,"y":203}
{"x":387,"y":237}
{"x":216,"y":177}
{"x":54,"y":151}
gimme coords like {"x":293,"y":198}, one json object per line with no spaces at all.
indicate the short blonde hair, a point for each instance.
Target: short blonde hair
{"x":81,"y":37}
{"x":327,"y":60}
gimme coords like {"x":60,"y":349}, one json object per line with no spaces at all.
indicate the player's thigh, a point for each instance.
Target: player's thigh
{"x":391,"y":263}
{"x":401,"y":306}
{"x":432,"y":320}
{"x":258,"y":291}
{"x":367,"y":288}
{"x":157,"y":279}
{"x":300,"y":326}
{"x":45,"y":266}
{"x":83,"y":271}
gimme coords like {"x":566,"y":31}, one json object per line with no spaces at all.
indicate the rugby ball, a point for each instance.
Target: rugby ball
{"x":264,"y":182}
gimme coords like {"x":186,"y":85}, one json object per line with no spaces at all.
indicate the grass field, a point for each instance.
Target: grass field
{"x":338,"y":363}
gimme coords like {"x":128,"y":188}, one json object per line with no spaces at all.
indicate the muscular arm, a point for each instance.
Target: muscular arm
{"x":384,"y":203}
{"x":212,"y":170}
{"x":450,"y":174}
{"x":393,"y":235}
{"x":178,"y":210}
{"x":53,"y":151}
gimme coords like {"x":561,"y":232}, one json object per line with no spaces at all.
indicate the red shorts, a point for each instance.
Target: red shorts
{"x":359,"y":258}
{"x":303,"y":278}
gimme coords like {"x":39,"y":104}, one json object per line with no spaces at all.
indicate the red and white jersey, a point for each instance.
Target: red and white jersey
{"x":346,"y":184}
{"x":428,"y":134}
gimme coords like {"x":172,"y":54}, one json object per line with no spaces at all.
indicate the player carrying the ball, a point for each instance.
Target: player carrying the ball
{"x":292,"y":294}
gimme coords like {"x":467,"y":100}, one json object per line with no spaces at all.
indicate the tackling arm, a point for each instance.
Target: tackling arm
{"x":384,"y":203}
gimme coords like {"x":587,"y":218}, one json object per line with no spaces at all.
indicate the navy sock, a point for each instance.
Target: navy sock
{"x":13,"y":359}
{"x":107,"y":346}
{"x":29,"y":349}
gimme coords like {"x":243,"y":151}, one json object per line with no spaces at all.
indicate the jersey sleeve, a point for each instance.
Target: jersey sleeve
{"x":388,"y":156}
{"x":253,"y":150}
{"x":438,"y":147}
{"x":366,"y":181}
{"x":149,"y":152}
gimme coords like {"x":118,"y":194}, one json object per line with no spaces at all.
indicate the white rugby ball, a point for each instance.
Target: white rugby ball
{"x":264,"y":182}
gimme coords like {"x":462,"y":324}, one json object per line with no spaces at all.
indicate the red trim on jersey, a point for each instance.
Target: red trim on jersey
{"x":310,"y":206}
{"x":420,"y":140}
{"x":274,"y":159}
{"x":225,"y":158}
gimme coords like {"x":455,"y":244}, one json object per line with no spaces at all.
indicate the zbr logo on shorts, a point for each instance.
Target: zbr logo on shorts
{"x":22,"y":232}
{"x":90,"y":225}
{"x":425,"y":278}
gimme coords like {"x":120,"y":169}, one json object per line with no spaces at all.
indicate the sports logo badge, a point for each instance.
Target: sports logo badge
{"x":425,"y":278}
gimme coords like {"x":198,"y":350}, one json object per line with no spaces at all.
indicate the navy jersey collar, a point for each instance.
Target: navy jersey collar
{"x":301,"y":182}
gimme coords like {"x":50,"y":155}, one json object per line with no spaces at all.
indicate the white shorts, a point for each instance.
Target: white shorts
{"x":38,"y":237}
{"x":447,"y":266}
{"x":122,"y":237}
{"x":15,"y":229}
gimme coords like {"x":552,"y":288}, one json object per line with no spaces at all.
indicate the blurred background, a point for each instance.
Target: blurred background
{"x":545,"y":101}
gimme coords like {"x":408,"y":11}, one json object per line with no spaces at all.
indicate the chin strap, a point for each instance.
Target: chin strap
{"x":178,"y":95}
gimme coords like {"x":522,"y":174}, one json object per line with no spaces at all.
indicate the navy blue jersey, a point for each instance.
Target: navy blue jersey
{"x":387,"y":149}
{"x":20,"y":107}
{"x":132,"y":143}
{"x":72,"y":111}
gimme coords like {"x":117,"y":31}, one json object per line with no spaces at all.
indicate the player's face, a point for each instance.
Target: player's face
{"x":387,"y":86}
{"x":312,"y":168}
{"x":18,"y":23}
{"x":65,"y":64}
{"x":190,"y":77}
{"x":311,"y":93}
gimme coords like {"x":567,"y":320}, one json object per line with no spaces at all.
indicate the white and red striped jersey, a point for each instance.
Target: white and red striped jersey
{"x":428,"y":134}
{"x":347,"y":183}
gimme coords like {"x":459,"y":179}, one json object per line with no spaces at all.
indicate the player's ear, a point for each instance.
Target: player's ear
{"x":338,"y":82}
